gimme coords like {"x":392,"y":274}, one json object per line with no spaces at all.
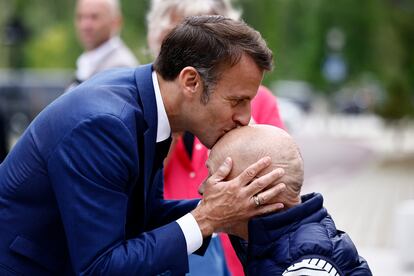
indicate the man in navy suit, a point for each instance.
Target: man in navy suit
{"x":81,"y":191}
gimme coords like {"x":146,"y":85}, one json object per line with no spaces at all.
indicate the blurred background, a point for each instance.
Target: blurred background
{"x":344,"y":79}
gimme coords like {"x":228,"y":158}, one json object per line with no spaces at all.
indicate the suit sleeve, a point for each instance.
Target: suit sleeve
{"x":167,"y":210}
{"x":91,"y":170}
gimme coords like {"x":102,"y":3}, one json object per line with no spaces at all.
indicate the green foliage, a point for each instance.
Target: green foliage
{"x":54,"y":47}
{"x":292,"y":32}
{"x":399,"y":103}
{"x":379,"y":38}
{"x":134,"y":30}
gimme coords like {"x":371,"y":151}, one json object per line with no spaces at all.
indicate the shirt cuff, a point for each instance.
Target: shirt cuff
{"x":191,"y":231}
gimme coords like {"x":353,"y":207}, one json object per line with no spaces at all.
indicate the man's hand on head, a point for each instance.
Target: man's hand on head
{"x":226,"y":203}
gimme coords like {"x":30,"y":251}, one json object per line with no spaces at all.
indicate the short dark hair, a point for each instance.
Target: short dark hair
{"x":210,"y":44}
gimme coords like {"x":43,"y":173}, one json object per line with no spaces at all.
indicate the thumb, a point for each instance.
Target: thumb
{"x":223,"y":171}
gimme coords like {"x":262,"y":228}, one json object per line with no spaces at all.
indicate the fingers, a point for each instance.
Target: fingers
{"x":271,"y":195}
{"x":221,"y":173}
{"x":265,"y":180}
{"x":218,"y":176}
{"x":202,"y":187}
{"x":248,"y":174}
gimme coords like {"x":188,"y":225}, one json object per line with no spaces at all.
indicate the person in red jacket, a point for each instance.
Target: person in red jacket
{"x":185,"y":166}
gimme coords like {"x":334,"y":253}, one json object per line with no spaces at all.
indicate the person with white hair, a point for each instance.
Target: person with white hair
{"x":98,"y":24}
{"x":164,"y":15}
{"x":185,"y":166}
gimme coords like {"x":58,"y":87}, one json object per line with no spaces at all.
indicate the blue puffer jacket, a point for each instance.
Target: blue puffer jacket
{"x":305,"y":231}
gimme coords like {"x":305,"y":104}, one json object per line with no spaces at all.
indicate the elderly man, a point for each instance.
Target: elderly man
{"x":81,"y":191}
{"x":302,"y":238}
{"x":98,"y":23}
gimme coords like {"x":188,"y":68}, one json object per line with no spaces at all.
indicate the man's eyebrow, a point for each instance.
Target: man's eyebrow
{"x":239,"y":97}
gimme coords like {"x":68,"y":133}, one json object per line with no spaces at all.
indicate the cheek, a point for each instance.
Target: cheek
{"x":218,"y":115}
{"x":103,"y":27}
{"x":102,"y":22}
{"x":224,"y":114}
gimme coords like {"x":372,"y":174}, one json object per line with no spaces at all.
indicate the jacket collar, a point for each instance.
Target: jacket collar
{"x":265,"y":229}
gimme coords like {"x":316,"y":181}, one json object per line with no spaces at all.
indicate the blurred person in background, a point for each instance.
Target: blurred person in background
{"x":300,"y":239}
{"x":98,"y":24}
{"x":185,"y":166}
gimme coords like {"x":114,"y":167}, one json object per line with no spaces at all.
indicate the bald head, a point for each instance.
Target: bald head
{"x":246,"y":145}
{"x":97,"y":21}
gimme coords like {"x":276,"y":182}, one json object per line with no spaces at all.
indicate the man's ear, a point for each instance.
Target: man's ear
{"x":190,"y":81}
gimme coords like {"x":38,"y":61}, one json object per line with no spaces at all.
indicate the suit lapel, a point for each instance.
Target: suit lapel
{"x":149,"y":105}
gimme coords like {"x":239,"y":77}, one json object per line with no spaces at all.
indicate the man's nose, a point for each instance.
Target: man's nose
{"x":242,"y":118}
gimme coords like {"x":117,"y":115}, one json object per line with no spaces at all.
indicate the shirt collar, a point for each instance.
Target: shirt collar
{"x":163,"y":126}
{"x":89,"y":61}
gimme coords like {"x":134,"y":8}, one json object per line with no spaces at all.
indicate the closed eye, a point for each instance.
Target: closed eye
{"x":236,"y":102}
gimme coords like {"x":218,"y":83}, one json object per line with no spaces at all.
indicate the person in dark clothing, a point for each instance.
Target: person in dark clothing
{"x":301,"y":239}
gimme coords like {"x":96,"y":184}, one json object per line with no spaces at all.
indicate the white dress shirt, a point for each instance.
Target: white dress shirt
{"x":187,"y":223}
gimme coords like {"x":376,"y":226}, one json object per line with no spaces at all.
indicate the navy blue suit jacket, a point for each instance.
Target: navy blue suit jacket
{"x":79,"y":193}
